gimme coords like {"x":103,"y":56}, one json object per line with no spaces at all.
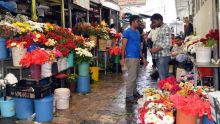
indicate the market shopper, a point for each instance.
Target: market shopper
{"x":162,"y":45}
{"x":131,"y":54}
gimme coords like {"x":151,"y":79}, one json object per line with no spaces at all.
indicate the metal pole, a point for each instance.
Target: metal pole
{"x":70,"y":14}
{"x":87,"y":13}
{"x":33,"y":10}
{"x":100,"y":9}
{"x":110,"y":15}
{"x":62,"y":14}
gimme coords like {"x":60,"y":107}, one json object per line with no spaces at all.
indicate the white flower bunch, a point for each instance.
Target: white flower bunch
{"x":35,"y":26}
{"x":89,"y":44}
{"x":155,"y":118}
{"x":51,"y":42}
{"x":83,"y":52}
{"x":11,"y":79}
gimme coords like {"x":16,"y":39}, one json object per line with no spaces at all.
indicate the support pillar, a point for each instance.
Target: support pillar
{"x":33,"y":11}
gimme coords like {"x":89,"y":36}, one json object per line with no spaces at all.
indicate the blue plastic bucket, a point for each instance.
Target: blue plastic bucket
{"x":32,"y":47}
{"x":24,"y":108}
{"x":44,"y":109}
{"x":7,"y":108}
{"x":83,"y":84}
{"x":84,"y":69}
{"x":3,"y":49}
{"x":70,"y":59}
{"x":1,"y":98}
{"x":205,"y":120}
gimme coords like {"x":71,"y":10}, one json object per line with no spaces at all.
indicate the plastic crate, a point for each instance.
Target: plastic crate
{"x":33,"y":91}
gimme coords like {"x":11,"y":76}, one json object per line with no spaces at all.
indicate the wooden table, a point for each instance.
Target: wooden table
{"x":208,"y":65}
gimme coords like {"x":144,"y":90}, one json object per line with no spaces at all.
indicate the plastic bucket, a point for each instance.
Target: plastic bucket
{"x":84,"y":69}
{"x":46,"y":70}
{"x":62,"y":96}
{"x":35,"y":71}
{"x":183,"y":118}
{"x":95,"y":73}
{"x":203,"y":54}
{"x":17,"y":55}
{"x":7,"y":108}
{"x":70,"y":59}
{"x":83,"y":84}
{"x":62,"y":64}
{"x":44,"y":109}
{"x":24,"y":108}
{"x":3,"y":49}
{"x":205,"y":120}
{"x":117,"y":59}
{"x":32,"y":47}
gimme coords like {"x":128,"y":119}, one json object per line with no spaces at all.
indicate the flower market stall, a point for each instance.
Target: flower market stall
{"x":51,"y":54}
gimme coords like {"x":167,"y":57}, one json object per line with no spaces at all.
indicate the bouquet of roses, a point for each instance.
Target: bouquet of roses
{"x":169,"y":84}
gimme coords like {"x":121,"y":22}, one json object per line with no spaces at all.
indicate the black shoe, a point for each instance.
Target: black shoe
{"x":138,"y":96}
{"x":131,"y":100}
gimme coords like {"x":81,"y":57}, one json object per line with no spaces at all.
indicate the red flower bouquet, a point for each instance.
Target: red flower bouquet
{"x":22,"y":41}
{"x":211,"y":38}
{"x":115,"y":50}
{"x":36,"y":56}
{"x":192,"y":104}
{"x":169,"y":84}
{"x":6,"y":32}
{"x":118,"y":35}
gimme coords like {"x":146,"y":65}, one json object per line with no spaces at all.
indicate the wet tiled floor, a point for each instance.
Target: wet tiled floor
{"x":104,"y":105}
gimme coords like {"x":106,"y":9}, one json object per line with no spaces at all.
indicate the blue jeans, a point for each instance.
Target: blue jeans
{"x":163,"y":66}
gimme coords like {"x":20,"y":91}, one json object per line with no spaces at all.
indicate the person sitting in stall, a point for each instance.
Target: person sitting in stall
{"x":177,"y":47}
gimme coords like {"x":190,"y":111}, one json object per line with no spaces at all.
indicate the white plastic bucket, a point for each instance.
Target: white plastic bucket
{"x":46,"y":70}
{"x":17,"y":55}
{"x":62,"y":64}
{"x":203,"y":54}
{"x":62,"y":96}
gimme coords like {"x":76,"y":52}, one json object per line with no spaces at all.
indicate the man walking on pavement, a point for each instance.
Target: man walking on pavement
{"x":131,"y":54}
{"x":161,"y":46}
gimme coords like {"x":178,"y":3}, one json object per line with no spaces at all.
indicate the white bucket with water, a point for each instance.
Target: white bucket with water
{"x":62,"y":96}
{"x":203,"y":54}
{"x":17,"y":55}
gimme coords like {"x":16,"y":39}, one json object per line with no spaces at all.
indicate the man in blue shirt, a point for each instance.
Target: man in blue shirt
{"x":131,"y":54}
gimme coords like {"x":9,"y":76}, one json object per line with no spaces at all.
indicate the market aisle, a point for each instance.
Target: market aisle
{"x":105,"y":105}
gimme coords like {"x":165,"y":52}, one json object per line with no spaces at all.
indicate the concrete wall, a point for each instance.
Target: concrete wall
{"x":206,"y":18}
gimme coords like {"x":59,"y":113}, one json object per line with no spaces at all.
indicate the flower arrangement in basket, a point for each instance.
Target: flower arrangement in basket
{"x":83,"y":55}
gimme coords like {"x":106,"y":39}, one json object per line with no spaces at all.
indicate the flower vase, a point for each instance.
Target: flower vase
{"x":46,"y":70}
{"x":84,"y":69}
{"x":70,"y":59}
{"x":102,"y":45}
{"x":203,"y":54}
{"x":185,"y":118}
{"x":93,"y":38}
{"x":17,"y":55}
{"x":3,"y":49}
{"x":35,"y":71}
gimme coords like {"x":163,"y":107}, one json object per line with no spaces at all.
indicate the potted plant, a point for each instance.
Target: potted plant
{"x":203,"y":52}
{"x":72,"y":82}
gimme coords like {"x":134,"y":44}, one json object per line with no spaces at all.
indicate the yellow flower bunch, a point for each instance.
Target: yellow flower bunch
{"x":49,"y":27}
{"x":22,"y":27}
{"x":103,"y":23}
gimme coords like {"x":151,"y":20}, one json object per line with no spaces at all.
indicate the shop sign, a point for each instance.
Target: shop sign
{"x":131,"y":2}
